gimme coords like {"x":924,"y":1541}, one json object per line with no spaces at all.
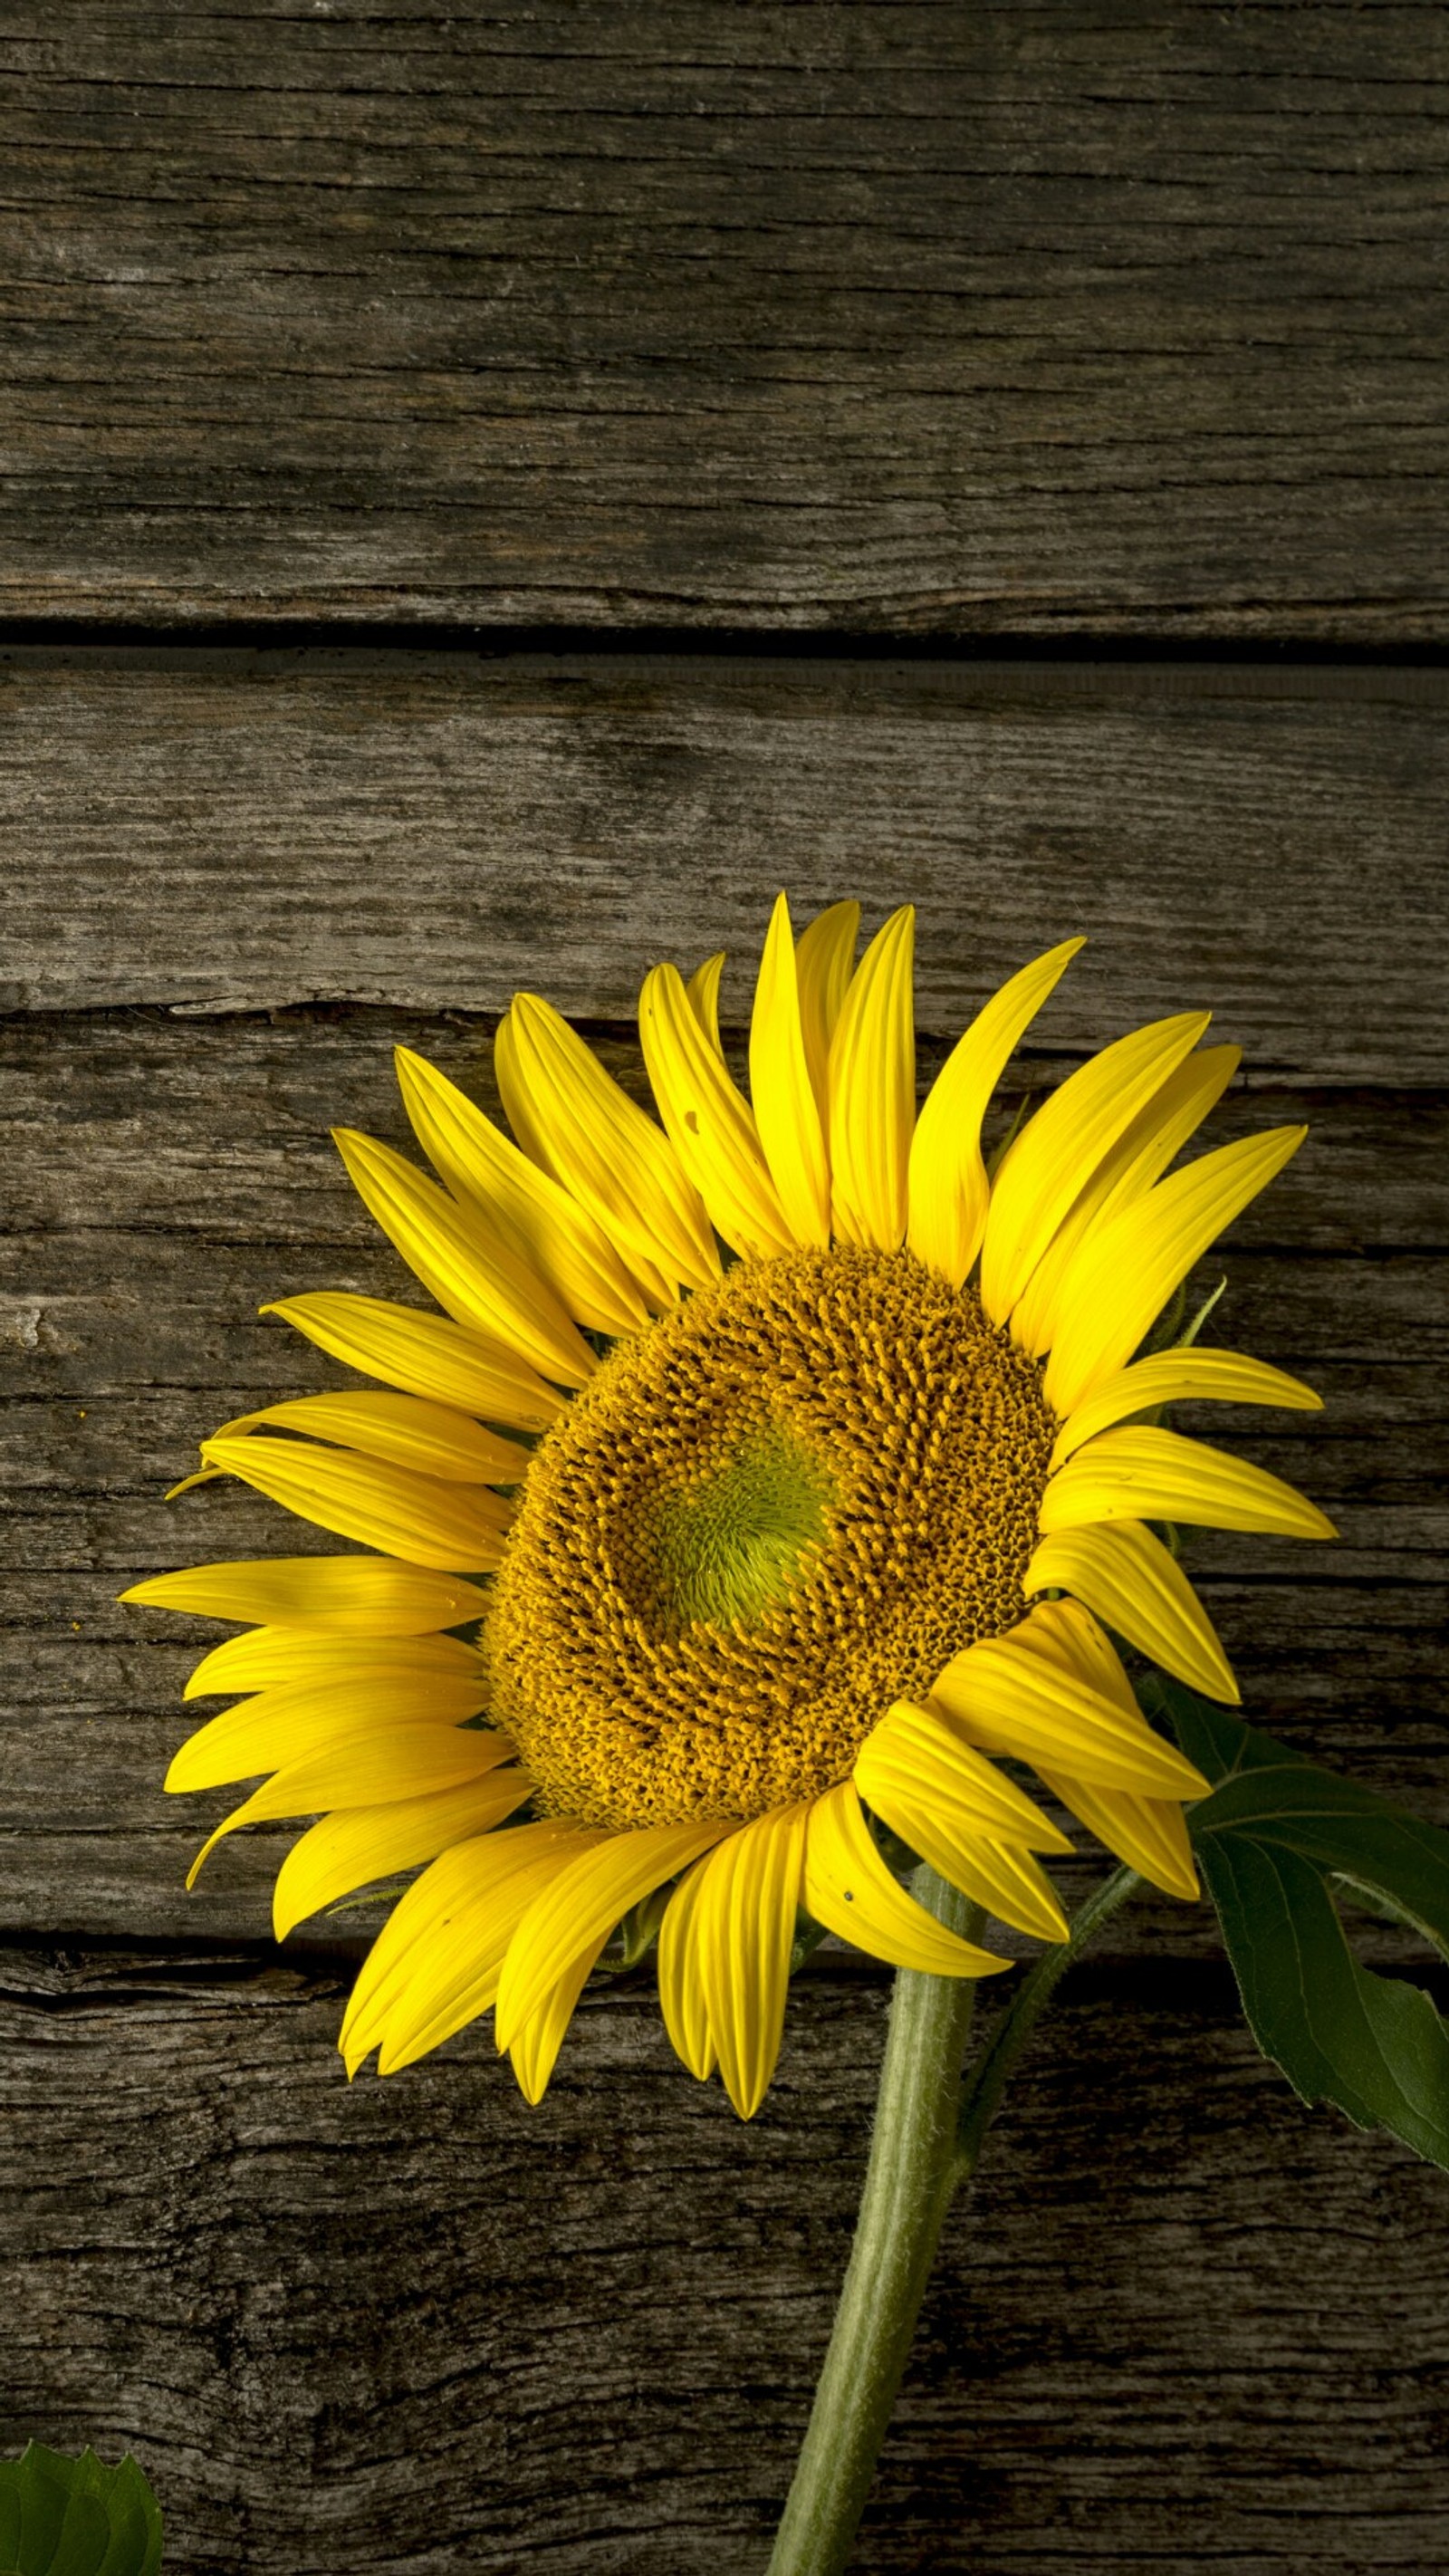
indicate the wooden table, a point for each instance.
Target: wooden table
{"x":489,"y":497}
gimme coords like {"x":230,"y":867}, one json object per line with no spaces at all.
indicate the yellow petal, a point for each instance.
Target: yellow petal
{"x":266,"y":1658}
{"x":962,"y":1815}
{"x":188,"y":1484}
{"x":1065,"y":1635}
{"x":1013,"y":1701}
{"x":824,"y":965}
{"x":442,"y":1946}
{"x":1129,"y":1579}
{"x":1149,"y":1834}
{"x":536,"y":2041}
{"x":791,"y":1131}
{"x":365,"y":1770}
{"x":349,"y":1850}
{"x":518,"y":1104}
{"x":443,"y":1362}
{"x":535,"y":2046}
{"x":375,"y":1766}
{"x":1182,"y":1376}
{"x":431,"y":1438}
{"x":1152,"y":1475}
{"x":361,"y":1596}
{"x":999,"y":1876}
{"x":300,"y":1718}
{"x":1139,"y":1158}
{"x":710,"y":1127}
{"x":849,"y":1889}
{"x":1122,"y":1276}
{"x":681,"y":1985}
{"x":416,"y":1517}
{"x":873,"y":1092}
{"x":442,"y":1929}
{"x":948,"y":1188}
{"x":603,"y":1148}
{"x":703,"y":991}
{"x":552,"y":1235}
{"x":622,"y":1228}
{"x":582,"y":1906}
{"x":742,"y":1924}
{"x":915,"y":1754}
{"x":1059,"y":1149}
{"x":477,"y":1276}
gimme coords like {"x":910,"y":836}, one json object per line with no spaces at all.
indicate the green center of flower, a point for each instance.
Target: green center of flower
{"x":730,"y":1544}
{"x":787,"y":1503}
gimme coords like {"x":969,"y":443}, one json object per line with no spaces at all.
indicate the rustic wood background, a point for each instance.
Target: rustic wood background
{"x":488,"y":496}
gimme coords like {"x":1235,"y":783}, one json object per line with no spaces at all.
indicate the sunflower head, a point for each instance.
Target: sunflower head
{"x":770,"y":1472}
{"x":787,"y":1505}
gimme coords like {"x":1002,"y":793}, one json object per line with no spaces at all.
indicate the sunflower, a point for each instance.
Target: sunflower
{"x":770,"y":1473}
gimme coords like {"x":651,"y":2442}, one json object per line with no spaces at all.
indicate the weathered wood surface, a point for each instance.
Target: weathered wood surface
{"x":245,"y":831}
{"x":908,"y":320}
{"x":414,"y":2327}
{"x":173,"y":1174}
{"x":1188,"y":2325}
{"x":1087,"y":317}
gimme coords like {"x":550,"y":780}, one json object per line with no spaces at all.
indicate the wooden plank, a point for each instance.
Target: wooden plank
{"x":412,"y":2326}
{"x":246,"y":832}
{"x":900,"y":317}
{"x":170,"y":1175}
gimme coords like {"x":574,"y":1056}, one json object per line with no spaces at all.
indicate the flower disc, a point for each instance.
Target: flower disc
{"x":786,"y":1505}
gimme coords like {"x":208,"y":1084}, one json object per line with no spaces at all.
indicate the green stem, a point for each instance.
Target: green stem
{"x":926,"y":2140}
{"x":908,"y":2187}
{"x":994,"y":2068}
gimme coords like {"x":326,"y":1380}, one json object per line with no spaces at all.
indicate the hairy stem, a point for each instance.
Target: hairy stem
{"x":908,"y":2187}
{"x":927,"y":2138}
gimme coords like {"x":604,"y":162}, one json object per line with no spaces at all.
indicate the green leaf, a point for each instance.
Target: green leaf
{"x":62,"y":2517}
{"x":1274,"y":1841}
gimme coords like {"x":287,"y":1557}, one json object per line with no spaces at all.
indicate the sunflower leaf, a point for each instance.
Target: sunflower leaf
{"x":1278,"y":1838}
{"x":64,"y":2517}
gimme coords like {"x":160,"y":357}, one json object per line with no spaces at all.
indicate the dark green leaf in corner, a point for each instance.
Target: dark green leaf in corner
{"x":61,"y":2517}
{"x":1275,"y":1839}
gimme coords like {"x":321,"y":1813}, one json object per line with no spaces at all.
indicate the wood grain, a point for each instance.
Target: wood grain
{"x":234,"y":832}
{"x":404,"y":2330}
{"x":1094,"y":317}
{"x":633,"y":317}
{"x":410,"y":2327}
